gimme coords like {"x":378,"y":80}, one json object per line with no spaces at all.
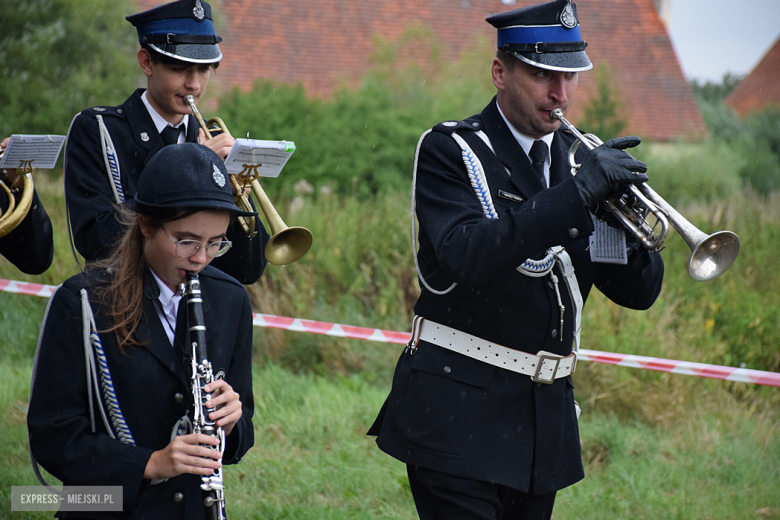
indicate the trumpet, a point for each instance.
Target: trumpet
{"x":711,"y":255}
{"x":287,"y":244}
{"x":15,"y":213}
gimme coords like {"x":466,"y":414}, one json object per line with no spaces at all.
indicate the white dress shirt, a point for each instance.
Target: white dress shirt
{"x":527,"y":142}
{"x":160,"y":123}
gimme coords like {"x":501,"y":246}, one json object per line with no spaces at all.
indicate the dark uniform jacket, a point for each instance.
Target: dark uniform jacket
{"x":90,"y":199}
{"x":152,"y":385}
{"x":30,"y":246}
{"x":451,"y":413}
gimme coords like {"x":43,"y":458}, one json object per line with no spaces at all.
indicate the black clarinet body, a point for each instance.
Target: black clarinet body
{"x":202,"y":374}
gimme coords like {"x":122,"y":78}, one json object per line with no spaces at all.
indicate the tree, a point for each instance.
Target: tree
{"x":601,"y":114}
{"x":58,"y":57}
{"x":714,"y":92}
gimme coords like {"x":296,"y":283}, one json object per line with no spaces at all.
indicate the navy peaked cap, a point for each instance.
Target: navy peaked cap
{"x":183,"y":30}
{"x":184,"y":176}
{"x":544,"y":35}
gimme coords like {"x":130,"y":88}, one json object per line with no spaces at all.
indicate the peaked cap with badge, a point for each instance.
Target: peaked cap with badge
{"x":544,"y":35}
{"x":183,"y":30}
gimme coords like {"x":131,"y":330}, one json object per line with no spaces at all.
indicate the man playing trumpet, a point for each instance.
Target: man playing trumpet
{"x":482,"y":406}
{"x":107,"y":147}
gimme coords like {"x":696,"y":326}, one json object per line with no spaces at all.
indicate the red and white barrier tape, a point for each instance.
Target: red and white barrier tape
{"x":743,"y":375}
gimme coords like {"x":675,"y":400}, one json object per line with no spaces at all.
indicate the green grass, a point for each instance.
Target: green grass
{"x":312,"y":459}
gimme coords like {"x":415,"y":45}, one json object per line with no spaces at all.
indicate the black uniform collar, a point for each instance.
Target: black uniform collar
{"x":143,"y":129}
{"x":509,"y":151}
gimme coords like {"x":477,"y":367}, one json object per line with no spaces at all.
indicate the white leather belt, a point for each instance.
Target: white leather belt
{"x":544,"y":367}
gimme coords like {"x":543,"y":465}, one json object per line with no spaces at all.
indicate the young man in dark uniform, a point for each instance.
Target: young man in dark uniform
{"x":108,"y":147}
{"x":30,"y":245}
{"x":482,"y":407}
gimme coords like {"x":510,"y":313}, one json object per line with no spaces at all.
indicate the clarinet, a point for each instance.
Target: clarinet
{"x":212,"y":486}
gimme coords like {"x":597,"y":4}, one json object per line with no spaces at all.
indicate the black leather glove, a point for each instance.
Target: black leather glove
{"x":608,"y":169}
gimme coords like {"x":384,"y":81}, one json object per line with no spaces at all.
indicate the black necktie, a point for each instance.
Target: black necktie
{"x":170,"y":135}
{"x":538,"y":156}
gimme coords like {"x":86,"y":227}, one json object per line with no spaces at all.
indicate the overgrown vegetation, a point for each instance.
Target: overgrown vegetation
{"x":601,"y":114}
{"x":61,"y":56}
{"x":755,"y":141}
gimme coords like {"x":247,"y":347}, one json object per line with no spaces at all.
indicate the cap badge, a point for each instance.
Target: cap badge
{"x":144,"y":136}
{"x":198,"y":11}
{"x":568,"y":19}
{"x":218,"y":176}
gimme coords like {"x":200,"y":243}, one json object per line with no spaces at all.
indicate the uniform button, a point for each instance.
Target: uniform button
{"x":554,"y":333}
{"x":119,"y":111}
{"x":178,"y":398}
{"x":447,"y":370}
{"x":550,"y":285}
{"x":574,"y":232}
{"x":178,"y":497}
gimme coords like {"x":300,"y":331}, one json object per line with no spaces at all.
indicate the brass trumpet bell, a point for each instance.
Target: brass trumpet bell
{"x":287,"y":244}
{"x":15,"y":213}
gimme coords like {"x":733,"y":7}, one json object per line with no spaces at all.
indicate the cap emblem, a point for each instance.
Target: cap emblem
{"x":568,"y":19}
{"x":144,"y":136}
{"x":218,"y":176}
{"x":198,"y":11}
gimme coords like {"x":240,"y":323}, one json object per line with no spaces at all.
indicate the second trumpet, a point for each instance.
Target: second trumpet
{"x":287,"y":244}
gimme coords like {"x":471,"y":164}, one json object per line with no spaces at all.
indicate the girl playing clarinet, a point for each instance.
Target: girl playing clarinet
{"x":112,"y":399}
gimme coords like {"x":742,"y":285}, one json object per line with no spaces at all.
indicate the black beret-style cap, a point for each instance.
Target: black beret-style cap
{"x":183,"y":30}
{"x":184,"y":176}
{"x":544,"y":35}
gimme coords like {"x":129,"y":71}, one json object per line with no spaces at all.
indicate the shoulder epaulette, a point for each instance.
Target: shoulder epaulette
{"x":106,"y":111}
{"x":447,"y":127}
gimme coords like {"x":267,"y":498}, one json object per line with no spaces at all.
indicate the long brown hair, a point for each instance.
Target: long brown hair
{"x":124,"y":293}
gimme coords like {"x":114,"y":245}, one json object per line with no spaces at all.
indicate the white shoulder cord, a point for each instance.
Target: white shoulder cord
{"x":112,"y":163}
{"x":67,"y":209}
{"x":92,"y":345}
{"x":530,"y":267}
{"x":414,"y":222}
{"x":112,"y":170}
{"x":34,"y":462}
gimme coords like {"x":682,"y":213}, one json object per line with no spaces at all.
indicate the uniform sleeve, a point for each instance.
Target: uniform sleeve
{"x":30,"y":246}
{"x":90,"y":200}
{"x":58,"y":418}
{"x":635,"y":285}
{"x":471,"y":248}
{"x":246,"y":259}
{"x":239,"y":377}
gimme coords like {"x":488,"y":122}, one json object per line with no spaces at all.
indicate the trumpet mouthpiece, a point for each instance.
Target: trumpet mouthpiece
{"x":189,"y":99}
{"x":556,"y":113}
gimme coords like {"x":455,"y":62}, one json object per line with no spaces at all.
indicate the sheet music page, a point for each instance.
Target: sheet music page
{"x":607,"y":244}
{"x":267,"y":157}
{"x":42,"y":150}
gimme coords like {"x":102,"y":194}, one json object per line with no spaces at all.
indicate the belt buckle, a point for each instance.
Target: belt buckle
{"x":542,"y":359}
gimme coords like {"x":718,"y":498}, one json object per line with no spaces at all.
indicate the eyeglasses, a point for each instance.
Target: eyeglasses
{"x":188,"y":247}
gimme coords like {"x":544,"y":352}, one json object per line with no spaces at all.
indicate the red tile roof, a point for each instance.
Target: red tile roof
{"x":761,"y":88}
{"x":328,"y":43}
